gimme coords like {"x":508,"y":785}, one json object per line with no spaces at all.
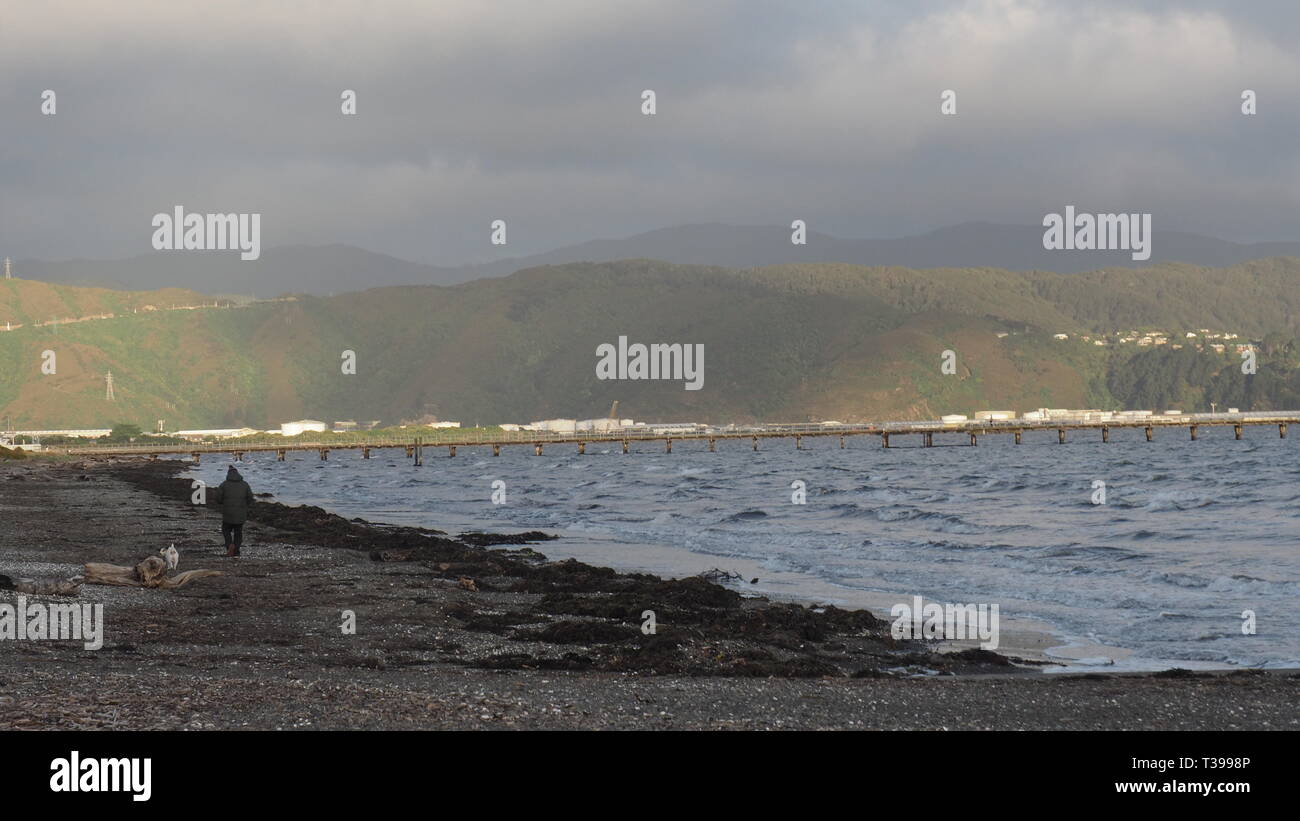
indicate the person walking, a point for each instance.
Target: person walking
{"x":235,"y":498}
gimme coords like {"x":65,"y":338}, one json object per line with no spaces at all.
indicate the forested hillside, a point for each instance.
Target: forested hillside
{"x":782,"y":343}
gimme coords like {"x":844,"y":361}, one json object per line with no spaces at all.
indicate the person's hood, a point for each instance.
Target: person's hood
{"x":232,"y":475}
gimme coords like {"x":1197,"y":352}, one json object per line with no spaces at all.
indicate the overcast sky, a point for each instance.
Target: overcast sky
{"x":531,"y":112}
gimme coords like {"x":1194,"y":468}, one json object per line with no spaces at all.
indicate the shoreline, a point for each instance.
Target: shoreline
{"x":1027,"y":638}
{"x":1023,"y":638}
{"x":260,"y":647}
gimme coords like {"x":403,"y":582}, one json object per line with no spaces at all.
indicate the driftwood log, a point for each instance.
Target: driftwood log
{"x":152,"y":572}
{"x":42,"y":587}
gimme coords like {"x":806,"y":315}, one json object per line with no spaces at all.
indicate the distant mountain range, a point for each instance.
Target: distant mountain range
{"x":334,"y":269}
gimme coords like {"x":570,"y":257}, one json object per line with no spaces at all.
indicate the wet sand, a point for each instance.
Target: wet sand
{"x":520,"y":643}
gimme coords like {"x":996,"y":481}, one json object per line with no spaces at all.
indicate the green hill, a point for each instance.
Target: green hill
{"x":783,"y":343}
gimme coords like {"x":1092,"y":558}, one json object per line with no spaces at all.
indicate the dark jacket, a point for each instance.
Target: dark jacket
{"x":235,"y":497}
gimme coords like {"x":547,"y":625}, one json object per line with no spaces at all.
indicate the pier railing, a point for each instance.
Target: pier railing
{"x":452,"y":438}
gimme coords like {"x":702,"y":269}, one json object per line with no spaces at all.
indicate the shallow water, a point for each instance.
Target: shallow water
{"x":1191,"y":535}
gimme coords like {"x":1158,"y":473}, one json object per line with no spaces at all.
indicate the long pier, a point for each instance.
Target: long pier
{"x":967,"y":431}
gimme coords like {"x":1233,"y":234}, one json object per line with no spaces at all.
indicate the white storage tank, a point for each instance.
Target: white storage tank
{"x":301,"y":426}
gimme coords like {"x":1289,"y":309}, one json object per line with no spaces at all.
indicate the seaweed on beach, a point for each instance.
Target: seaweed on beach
{"x":579,"y":632}
{"x":488,"y":539}
{"x":524,"y":661}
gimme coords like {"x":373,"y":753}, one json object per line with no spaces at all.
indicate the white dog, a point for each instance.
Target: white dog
{"x":173,"y":558}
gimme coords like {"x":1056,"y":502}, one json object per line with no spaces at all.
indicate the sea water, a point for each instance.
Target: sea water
{"x":1191,"y":535}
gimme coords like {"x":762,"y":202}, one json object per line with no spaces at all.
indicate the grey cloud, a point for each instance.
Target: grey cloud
{"x":530,"y":112}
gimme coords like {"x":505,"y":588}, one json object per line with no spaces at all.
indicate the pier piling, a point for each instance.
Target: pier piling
{"x":1236,"y":431}
{"x":1060,"y":436}
{"x":1192,"y":429}
{"x":1148,"y":434}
